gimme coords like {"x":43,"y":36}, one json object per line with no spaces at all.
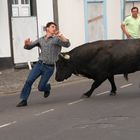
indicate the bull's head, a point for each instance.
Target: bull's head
{"x":63,"y":67}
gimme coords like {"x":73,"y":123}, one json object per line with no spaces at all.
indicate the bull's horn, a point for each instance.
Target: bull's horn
{"x":66,"y":56}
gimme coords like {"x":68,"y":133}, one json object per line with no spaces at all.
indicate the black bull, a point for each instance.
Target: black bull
{"x":99,"y":61}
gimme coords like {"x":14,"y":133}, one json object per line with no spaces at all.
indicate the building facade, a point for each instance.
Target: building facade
{"x":79,"y":20}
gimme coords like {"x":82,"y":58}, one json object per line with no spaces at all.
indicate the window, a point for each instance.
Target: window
{"x":25,"y":2}
{"x":21,"y":8}
{"x":129,"y":4}
{"x":14,"y":1}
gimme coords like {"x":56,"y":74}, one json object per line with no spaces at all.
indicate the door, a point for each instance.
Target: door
{"x":95,"y":26}
{"x":24,"y":25}
{"x":23,"y":28}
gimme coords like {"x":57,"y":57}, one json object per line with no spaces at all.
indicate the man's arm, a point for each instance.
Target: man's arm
{"x":63,"y":41}
{"x":28,"y":44}
{"x":62,"y":37}
{"x":125,"y":32}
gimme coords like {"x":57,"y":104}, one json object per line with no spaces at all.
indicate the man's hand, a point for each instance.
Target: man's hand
{"x":58,"y":33}
{"x":27,"y":42}
{"x":128,"y":36}
{"x":61,"y":36}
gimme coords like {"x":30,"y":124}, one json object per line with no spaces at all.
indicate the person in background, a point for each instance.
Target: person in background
{"x":50,"y":46}
{"x":131,"y":24}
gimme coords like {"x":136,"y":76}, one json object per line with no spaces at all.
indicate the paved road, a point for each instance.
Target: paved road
{"x":64,"y":116}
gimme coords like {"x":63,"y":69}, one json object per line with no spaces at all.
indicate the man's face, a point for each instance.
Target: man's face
{"x":134,"y":13}
{"x":51,"y":29}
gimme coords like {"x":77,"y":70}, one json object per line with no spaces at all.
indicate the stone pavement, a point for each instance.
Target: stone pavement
{"x":12,"y":80}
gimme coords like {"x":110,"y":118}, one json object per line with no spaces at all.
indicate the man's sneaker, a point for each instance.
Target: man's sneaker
{"x":22,"y":103}
{"x":47,"y":93}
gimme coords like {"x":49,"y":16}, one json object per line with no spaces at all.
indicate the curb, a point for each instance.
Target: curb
{"x":12,"y":81}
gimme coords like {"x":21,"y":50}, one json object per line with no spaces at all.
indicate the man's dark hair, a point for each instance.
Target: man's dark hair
{"x":50,"y":23}
{"x":134,"y":8}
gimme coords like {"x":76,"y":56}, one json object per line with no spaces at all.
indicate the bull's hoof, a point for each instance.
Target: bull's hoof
{"x":112,"y":94}
{"x":84,"y":96}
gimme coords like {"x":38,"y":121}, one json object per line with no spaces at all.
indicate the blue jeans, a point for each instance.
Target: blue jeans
{"x":39,"y":69}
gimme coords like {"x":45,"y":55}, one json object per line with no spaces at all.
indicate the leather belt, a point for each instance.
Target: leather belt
{"x":41,"y":62}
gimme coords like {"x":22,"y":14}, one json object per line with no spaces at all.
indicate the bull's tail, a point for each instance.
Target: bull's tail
{"x":125,"y":76}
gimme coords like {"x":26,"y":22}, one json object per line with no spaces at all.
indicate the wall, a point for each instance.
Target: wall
{"x":5,"y":49}
{"x":113,"y":16}
{"x":71,"y":21}
{"x":44,"y":14}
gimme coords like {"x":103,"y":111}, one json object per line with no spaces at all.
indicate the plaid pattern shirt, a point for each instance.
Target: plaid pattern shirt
{"x":50,"y":48}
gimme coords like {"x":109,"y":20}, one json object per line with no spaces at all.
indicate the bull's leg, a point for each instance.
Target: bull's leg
{"x":93,"y":87}
{"x":113,"y":86}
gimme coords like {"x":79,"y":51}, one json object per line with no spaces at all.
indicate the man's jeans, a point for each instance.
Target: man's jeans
{"x":42,"y":70}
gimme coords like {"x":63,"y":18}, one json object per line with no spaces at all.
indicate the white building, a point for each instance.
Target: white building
{"x":79,"y":20}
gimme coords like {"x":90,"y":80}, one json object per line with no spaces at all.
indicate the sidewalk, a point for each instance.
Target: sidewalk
{"x":12,"y":80}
